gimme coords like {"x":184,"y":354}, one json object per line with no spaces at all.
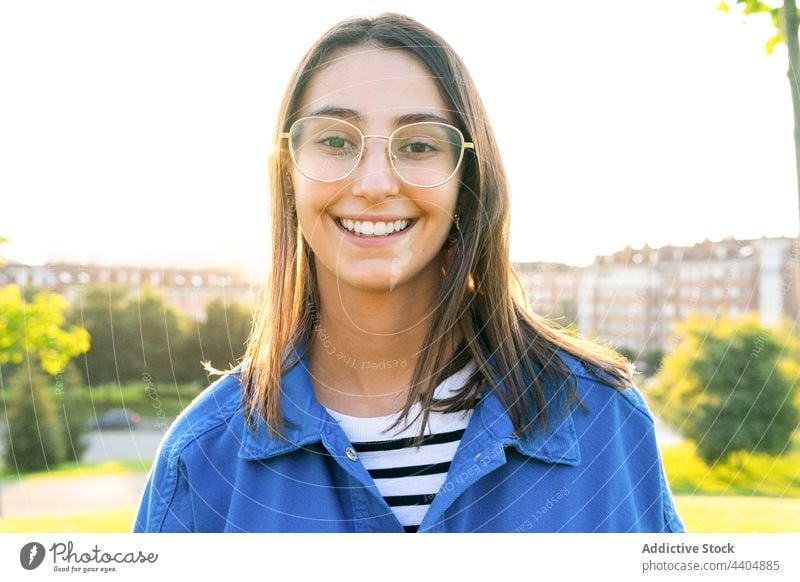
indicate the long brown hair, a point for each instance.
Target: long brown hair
{"x":514,"y":348}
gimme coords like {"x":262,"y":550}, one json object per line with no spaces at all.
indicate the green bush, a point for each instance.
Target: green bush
{"x":142,"y":334}
{"x":35,"y":437}
{"x":742,"y":473}
{"x":147,"y":398}
{"x":73,"y":412}
{"x":724,"y":386}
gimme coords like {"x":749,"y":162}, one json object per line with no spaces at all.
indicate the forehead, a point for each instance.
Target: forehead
{"x":379,"y":83}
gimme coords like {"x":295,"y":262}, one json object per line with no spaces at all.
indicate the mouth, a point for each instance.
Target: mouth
{"x":377,"y":229}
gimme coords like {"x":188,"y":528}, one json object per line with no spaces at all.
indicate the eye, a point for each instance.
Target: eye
{"x":417,"y":147}
{"x":336,"y":142}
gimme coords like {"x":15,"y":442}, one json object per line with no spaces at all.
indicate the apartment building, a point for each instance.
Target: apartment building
{"x":190,"y":290}
{"x":632,"y":298}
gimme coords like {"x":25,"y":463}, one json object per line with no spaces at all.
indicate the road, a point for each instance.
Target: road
{"x":77,"y":494}
{"x":125,"y":445}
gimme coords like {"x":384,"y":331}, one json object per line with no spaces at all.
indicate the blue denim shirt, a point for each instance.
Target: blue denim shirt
{"x":593,"y":471}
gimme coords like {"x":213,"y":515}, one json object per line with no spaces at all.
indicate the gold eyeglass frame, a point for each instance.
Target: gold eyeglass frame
{"x":465,"y":145}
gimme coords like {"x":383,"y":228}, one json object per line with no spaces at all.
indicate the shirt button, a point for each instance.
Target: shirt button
{"x":351,"y":453}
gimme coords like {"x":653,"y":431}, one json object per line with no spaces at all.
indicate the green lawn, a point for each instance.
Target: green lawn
{"x":701,"y":514}
{"x":81,"y":470}
{"x":706,"y":514}
{"x":74,"y":469}
{"x":113,"y":521}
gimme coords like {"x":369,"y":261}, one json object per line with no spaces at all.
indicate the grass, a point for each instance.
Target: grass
{"x":747,"y":493}
{"x":738,"y":514}
{"x":111,"y":521}
{"x":700,"y":514}
{"x":148,"y":400}
{"x":74,"y":469}
{"x":745,"y":474}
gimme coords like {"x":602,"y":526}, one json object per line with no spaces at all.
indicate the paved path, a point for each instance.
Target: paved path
{"x":76,"y":494}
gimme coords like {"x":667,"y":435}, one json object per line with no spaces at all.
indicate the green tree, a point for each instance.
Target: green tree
{"x":134,"y":335}
{"x":37,"y":329}
{"x":35,"y":435}
{"x":73,"y":410}
{"x":224,"y":332}
{"x":218,"y":341}
{"x":785,"y":19}
{"x":724,"y":386}
{"x":651,"y":360}
{"x":101,"y":310}
{"x":35,"y":338}
{"x":627,"y":352}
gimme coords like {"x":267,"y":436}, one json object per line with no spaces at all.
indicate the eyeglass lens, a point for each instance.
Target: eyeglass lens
{"x":423,"y":154}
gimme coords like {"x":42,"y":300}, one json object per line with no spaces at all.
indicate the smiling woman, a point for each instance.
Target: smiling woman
{"x":390,"y":214}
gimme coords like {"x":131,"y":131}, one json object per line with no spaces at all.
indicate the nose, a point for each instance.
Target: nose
{"x":374,"y":177}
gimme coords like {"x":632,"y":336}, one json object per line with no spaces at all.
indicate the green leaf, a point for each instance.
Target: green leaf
{"x":755,"y":6}
{"x":773,"y":42}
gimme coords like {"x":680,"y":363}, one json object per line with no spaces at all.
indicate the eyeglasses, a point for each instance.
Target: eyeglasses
{"x":425,"y":154}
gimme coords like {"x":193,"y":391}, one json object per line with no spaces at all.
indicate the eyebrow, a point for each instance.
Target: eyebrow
{"x":353,"y":115}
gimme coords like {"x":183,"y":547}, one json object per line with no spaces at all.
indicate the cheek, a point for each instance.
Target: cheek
{"x":440,"y":209}
{"x":310,"y":204}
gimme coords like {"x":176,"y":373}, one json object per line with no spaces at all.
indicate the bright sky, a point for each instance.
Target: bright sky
{"x":138,"y":133}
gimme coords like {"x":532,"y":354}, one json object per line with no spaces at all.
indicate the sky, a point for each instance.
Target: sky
{"x":138,"y":133}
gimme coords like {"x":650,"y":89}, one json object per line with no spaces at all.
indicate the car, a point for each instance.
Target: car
{"x":116,"y":418}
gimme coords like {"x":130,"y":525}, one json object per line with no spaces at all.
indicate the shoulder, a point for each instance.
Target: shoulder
{"x":617,"y":439}
{"x":207,"y":431}
{"x":209,"y":413}
{"x":599,"y":390}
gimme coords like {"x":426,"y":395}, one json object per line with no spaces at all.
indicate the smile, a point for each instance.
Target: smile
{"x":367,"y":229}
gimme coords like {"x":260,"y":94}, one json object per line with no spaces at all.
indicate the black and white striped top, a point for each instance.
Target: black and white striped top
{"x":409,"y":477}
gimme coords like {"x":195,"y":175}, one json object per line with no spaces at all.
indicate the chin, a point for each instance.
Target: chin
{"x":373,"y":281}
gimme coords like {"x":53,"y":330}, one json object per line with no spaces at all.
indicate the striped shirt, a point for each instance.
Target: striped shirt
{"x":409,"y":477}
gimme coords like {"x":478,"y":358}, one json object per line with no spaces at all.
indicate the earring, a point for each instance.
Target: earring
{"x":453,"y":238}
{"x":290,"y":202}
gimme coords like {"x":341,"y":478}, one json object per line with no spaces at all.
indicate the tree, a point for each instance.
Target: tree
{"x":73,"y":412}
{"x":35,"y":435}
{"x":35,"y":338}
{"x":651,"y":360}
{"x":785,"y":18}
{"x":36,"y":329}
{"x":134,"y":335}
{"x":224,"y":332}
{"x":725,"y":386}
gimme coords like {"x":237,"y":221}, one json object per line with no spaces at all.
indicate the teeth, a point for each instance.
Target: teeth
{"x":367,"y":228}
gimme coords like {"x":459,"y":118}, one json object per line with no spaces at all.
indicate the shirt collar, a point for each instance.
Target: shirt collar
{"x":306,"y":419}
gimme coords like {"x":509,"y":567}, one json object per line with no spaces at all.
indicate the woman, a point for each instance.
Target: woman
{"x":395,"y":379}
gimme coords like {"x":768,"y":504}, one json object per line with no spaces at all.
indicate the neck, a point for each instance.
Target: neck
{"x":367,"y":344}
